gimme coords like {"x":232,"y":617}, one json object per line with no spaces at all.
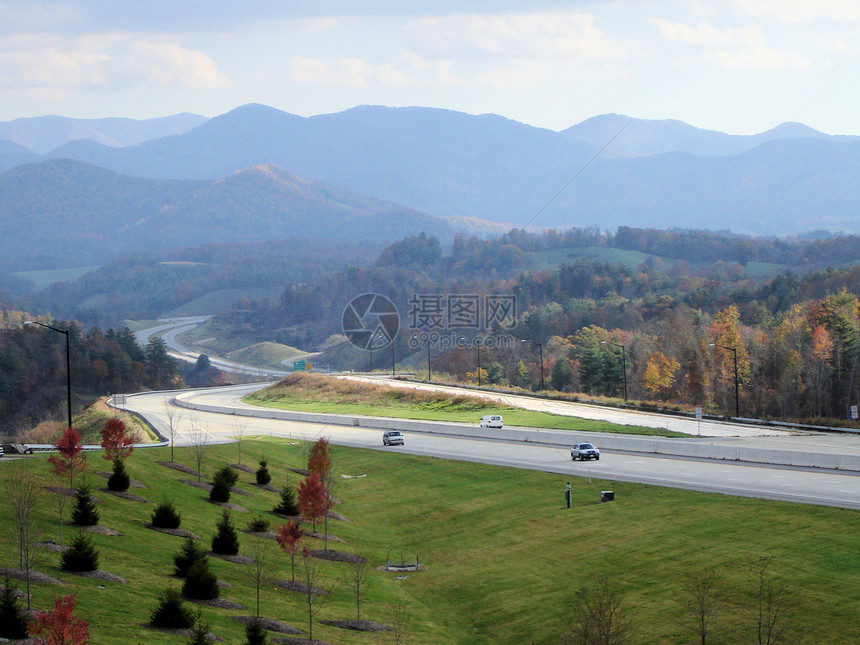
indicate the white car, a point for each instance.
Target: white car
{"x":392,"y":438}
{"x":583,"y":451}
{"x":492,"y":421}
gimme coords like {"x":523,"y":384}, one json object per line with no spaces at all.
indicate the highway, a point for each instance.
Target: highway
{"x":803,"y":485}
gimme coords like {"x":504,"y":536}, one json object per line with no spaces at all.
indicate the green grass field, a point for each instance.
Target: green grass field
{"x":327,"y":395}
{"x":503,"y":556}
{"x":43,"y":278}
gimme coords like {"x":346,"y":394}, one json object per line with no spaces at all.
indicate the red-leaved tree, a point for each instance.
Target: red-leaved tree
{"x":314,"y":501}
{"x":116,"y":443}
{"x":71,"y":458}
{"x":60,"y":627}
{"x":289,"y":536}
{"x":319,"y":461}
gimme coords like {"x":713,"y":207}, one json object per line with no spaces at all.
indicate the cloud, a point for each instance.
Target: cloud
{"x":167,"y":63}
{"x":348,"y":72}
{"x":739,"y":48}
{"x":802,"y":10}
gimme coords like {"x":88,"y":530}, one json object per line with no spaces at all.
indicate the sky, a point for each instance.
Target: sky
{"x":737,"y":66}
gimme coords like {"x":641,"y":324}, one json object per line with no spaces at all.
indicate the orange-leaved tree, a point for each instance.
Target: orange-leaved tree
{"x":314,"y":501}
{"x":60,"y":627}
{"x":319,"y":461}
{"x":71,"y":458}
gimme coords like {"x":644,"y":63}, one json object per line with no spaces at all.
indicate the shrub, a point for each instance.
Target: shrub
{"x":255,"y":633}
{"x":222,"y":482}
{"x":165,"y":516}
{"x":85,"y":512}
{"x":119,"y":479}
{"x":171,"y":613}
{"x":201,"y":583}
{"x":188,"y":555}
{"x":225,"y":541}
{"x":258,"y":525}
{"x":13,"y":620}
{"x":81,"y":555}
{"x":288,"y":502}
{"x":263,"y":474}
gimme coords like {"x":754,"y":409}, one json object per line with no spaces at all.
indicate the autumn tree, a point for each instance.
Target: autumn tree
{"x":71,"y":459}
{"x":289,"y":536}
{"x":319,"y":459}
{"x":117,"y":447}
{"x":818,"y":367}
{"x":726,"y":333}
{"x":659,"y":375}
{"x":60,"y":626}
{"x":313,"y":499}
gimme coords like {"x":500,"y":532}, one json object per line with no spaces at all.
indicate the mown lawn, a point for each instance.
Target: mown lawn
{"x":503,"y":556}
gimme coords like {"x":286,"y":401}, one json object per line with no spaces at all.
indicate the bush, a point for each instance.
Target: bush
{"x":171,"y":613}
{"x":188,"y":555}
{"x":226,"y":540}
{"x":200,"y":632}
{"x":255,"y":633}
{"x":81,"y":555}
{"x":263,"y":474}
{"x":13,"y":620}
{"x":201,"y":583}
{"x":288,"y":502}
{"x":165,"y":516}
{"x":85,"y":512}
{"x":119,"y":480}
{"x":224,"y":480}
{"x":258,"y":525}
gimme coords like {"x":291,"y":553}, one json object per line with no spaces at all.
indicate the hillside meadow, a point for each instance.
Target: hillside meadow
{"x":503,"y":557}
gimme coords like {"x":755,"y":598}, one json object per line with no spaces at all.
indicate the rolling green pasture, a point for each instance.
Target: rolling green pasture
{"x":503,"y":557}
{"x":45,"y":277}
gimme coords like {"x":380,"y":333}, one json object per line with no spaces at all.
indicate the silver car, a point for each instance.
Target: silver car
{"x":583,"y":451}
{"x":392,"y":438}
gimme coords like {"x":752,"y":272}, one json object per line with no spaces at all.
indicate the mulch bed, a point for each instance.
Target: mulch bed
{"x":126,"y":495}
{"x":97,"y":528}
{"x":64,"y":490}
{"x":271,"y":624}
{"x":335,"y":556}
{"x":297,"y":641}
{"x":334,"y":515}
{"x":180,"y":467}
{"x":201,"y":485}
{"x":229,"y":505}
{"x":52,"y":546}
{"x":35,"y":576}
{"x":218,"y":603}
{"x":357,"y":625}
{"x":178,"y":631}
{"x":243,"y":468}
{"x":237,"y":559}
{"x":269,"y":487}
{"x":177,"y":532}
{"x":132,"y":482}
{"x":299,"y":587}
{"x":98,"y":574}
{"x":269,"y":535}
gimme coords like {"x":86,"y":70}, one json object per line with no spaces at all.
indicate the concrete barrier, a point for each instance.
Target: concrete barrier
{"x":693,"y":447}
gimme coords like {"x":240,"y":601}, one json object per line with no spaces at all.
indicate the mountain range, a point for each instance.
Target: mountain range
{"x":426,"y":165}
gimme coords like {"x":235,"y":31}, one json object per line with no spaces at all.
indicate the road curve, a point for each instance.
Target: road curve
{"x":830,"y":488}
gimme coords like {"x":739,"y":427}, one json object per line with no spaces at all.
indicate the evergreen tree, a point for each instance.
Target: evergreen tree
{"x":263,"y":474}
{"x":187,"y":556}
{"x":165,"y":516}
{"x":288,"y":504}
{"x":85,"y":512}
{"x":201,"y":583}
{"x":171,"y":613}
{"x":119,"y":479}
{"x":222,"y":483}
{"x":81,"y":555}
{"x":226,"y":540}
{"x":200,"y":631}
{"x":255,"y":633}
{"x":13,"y":621}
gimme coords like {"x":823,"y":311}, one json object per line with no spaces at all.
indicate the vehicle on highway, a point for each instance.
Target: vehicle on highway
{"x":492,"y":421}
{"x":392,"y":438}
{"x":583,"y":451}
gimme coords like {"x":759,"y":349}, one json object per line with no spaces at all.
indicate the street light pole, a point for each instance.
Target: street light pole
{"x":734,"y":352}
{"x":623,"y":362}
{"x":540,"y":348}
{"x":68,"y":365}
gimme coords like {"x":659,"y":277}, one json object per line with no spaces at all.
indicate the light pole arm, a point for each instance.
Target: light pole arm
{"x":68,"y":365}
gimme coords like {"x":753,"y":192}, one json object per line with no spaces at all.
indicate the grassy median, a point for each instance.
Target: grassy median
{"x":331,"y":395}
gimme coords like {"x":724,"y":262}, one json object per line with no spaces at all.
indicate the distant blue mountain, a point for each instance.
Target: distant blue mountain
{"x":789,"y":180}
